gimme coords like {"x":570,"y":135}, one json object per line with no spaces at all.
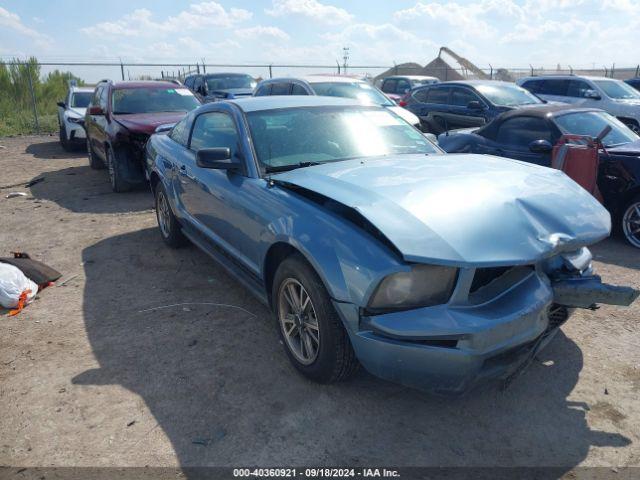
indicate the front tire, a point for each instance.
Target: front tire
{"x":170,"y":230}
{"x":66,"y":145}
{"x":114,"y":165}
{"x":631,"y":222}
{"x":94,"y":162}
{"x":315,"y":340}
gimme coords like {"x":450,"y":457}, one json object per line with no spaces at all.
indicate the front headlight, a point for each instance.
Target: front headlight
{"x":422,"y":286}
{"x":74,"y":119}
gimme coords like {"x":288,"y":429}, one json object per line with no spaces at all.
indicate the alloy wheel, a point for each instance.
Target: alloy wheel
{"x":631,"y":223}
{"x":298,"y":321}
{"x":164,"y":215}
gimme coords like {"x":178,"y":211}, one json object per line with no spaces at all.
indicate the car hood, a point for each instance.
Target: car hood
{"x":77,"y":111}
{"x":233,"y":92}
{"x":631,"y":148}
{"x":464,"y":210}
{"x":405,"y":114}
{"x":148,"y":122}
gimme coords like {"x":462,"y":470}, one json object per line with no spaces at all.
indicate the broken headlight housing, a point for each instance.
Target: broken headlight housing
{"x":422,"y":286}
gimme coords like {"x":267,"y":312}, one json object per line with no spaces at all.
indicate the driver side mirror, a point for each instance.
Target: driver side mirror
{"x":61,"y":104}
{"x":474,"y":105}
{"x":540,"y":146}
{"x":592,"y":94}
{"x":218,"y":158}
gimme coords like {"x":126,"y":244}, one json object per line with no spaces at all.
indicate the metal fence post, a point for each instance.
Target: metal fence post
{"x":122,"y":70}
{"x":270,"y":72}
{"x":33,"y":98}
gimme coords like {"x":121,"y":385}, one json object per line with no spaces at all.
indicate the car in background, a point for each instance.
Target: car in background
{"x":463,"y":104}
{"x":634,"y":82}
{"x":608,"y":94}
{"x":211,"y":87}
{"x":121,"y":117}
{"x":71,"y":112}
{"x":529,"y":135}
{"x":397,"y":86}
{"x":370,"y":245}
{"x":333,"y":86}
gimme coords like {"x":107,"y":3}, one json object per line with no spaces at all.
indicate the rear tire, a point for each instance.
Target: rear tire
{"x":114,"y":165}
{"x":630,"y":222}
{"x":94,"y":162}
{"x":168,"y":225}
{"x":317,"y":327}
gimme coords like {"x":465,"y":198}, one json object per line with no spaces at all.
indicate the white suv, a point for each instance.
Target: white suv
{"x":614,"y":96}
{"x":71,"y":112}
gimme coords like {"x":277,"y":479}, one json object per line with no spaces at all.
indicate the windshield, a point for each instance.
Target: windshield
{"x":227,"y":82}
{"x":617,"y":89}
{"x":592,"y":123}
{"x":508,"y":95}
{"x":150,"y":100}
{"x":81,"y":99}
{"x":294,"y":137}
{"x":365,"y":93}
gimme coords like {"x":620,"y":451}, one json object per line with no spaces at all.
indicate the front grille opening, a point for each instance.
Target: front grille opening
{"x":488,"y":283}
{"x":484,"y":276}
{"x":557,"y":315}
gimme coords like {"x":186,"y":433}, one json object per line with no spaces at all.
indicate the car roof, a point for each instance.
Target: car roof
{"x":82,"y":89}
{"x":224,"y":74}
{"x":476,"y":83}
{"x":565,"y":77}
{"x":413,"y":77}
{"x":320,"y":78}
{"x":253,"y":104}
{"x":146,"y":84}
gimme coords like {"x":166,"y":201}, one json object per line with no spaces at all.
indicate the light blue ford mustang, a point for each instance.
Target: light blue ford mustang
{"x":372,"y":246}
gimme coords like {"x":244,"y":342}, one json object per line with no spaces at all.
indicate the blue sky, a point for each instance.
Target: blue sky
{"x":497,"y":32}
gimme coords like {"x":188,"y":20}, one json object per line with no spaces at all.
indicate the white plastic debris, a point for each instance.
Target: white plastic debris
{"x":16,"y":194}
{"x":13,"y":285}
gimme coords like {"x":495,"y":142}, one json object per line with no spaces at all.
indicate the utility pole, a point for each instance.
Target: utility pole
{"x":345,"y":57}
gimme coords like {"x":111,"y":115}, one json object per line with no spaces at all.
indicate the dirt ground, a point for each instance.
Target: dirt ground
{"x":111,"y":368}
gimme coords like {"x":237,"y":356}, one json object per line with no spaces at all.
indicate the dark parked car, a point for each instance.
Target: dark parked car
{"x":634,"y":82}
{"x":210,"y":87}
{"x":463,"y":104}
{"x":436,"y":271}
{"x":397,"y":86}
{"x":530,"y":134}
{"x":119,"y":120}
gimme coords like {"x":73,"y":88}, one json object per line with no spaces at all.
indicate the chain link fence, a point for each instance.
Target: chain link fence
{"x":29,"y":96}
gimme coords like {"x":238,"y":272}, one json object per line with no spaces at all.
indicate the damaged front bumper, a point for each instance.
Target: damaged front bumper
{"x":450,"y":349}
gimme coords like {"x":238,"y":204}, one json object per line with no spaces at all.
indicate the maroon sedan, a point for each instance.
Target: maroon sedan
{"x":120,"y":119}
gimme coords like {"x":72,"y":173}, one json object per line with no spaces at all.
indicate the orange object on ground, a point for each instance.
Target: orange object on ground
{"x":579,"y":157}
{"x":22,"y":301}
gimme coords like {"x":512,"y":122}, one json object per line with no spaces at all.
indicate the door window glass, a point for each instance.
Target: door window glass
{"x":389,"y":86}
{"x":180,"y":132}
{"x":438,"y":95}
{"x":577,"y":88}
{"x":461,"y":97}
{"x":521,"y":131}
{"x":420,"y":95}
{"x":280,"y":89}
{"x":263,"y":90}
{"x":298,"y":90}
{"x":213,"y":130}
{"x":403,"y":86}
{"x":554,"y":87}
